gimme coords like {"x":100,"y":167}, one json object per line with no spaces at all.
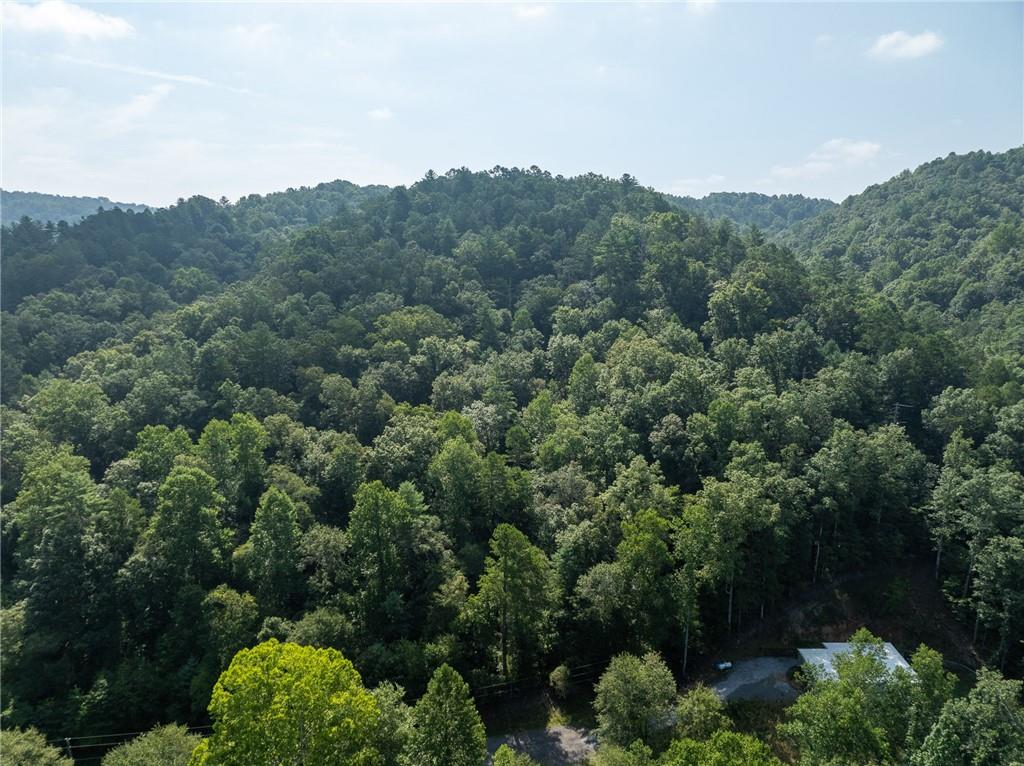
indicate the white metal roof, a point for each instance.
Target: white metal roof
{"x":822,"y":659}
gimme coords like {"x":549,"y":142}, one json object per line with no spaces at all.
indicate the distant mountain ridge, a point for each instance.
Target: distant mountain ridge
{"x":299,"y":206}
{"x":770,"y":213}
{"x":949,"y":233}
{"x":15,"y":205}
{"x":309,"y":205}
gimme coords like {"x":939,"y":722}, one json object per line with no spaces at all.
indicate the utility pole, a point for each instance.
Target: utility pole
{"x":896,"y":412}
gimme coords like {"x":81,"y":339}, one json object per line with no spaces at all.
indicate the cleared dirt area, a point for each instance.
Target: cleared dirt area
{"x":759,"y":678}
{"x":557,"y":746}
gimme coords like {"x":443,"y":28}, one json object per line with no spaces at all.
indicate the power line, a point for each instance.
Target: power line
{"x":64,"y":740}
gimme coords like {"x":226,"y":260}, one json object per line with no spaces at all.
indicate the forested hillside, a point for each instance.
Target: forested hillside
{"x":15,"y":205}
{"x":70,"y":288}
{"x":947,"y":236}
{"x":771,"y":214}
{"x":494,"y":424}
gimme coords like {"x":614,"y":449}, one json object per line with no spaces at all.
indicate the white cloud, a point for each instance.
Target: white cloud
{"x":830,"y":156}
{"x":65,"y":18}
{"x":532,"y":11}
{"x":253,"y":36}
{"x":696,"y":187}
{"x":823,"y":39}
{"x":130,"y":115}
{"x":380,"y":114}
{"x":847,"y":150}
{"x":900,"y":45}
{"x":185,"y":79}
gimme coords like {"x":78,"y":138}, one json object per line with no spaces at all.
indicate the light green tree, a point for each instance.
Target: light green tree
{"x":283,"y":703}
{"x":700,"y":713}
{"x":932,"y":687}
{"x":634,"y":700}
{"x":506,"y":756}
{"x":29,"y":748}
{"x":723,"y":748}
{"x":169,"y":745}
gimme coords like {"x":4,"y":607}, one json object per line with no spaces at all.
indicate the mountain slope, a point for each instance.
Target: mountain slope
{"x":54,"y":207}
{"x":771,"y":214}
{"x":949,"y":233}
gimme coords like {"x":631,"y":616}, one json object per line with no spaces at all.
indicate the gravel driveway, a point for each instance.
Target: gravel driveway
{"x":557,"y":746}
{"x":760,"y":678}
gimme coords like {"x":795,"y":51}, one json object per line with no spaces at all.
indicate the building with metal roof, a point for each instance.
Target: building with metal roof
{"x":822,"y":660}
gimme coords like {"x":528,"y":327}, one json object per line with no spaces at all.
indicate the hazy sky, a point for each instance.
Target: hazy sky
{"x":148,"y":102}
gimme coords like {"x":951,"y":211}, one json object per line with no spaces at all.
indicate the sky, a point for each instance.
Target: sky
{"x":149,"y":102}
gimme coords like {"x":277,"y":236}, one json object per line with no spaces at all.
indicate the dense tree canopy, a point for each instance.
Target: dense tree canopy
{"x":501,"y":422}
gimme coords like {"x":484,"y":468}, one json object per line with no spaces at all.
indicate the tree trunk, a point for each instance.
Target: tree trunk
{"x":729,"y":621}
{"x":967,"y":576}
{"x":504,"y":620}
{"x":817,"y":551}
{"x":686,"y":644}
{"x":938,"y":559}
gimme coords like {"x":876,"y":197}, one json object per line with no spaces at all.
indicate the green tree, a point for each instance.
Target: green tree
{"x":932,"y":687}
{"x":215,"y":449}
{"x":723,"y":748}
{"x":829,"y":726}
{"x":233,"y":620}
{"x":583,"y":384}
{"x":998,"y":592}
{"x":506,"y":756}
{"x":455,"y":477}
{"x":186,"y":539}
{"x":284,"y":703}
{"x":78,"y":412}
{"x":858,"y":716}
{"x":275,"y":537}
{"x":644,"y":561}
{"x":169,"y":745}
{"x":70,"y":544}
{"x":619,"y":258}
{"x":248,"y":443}
{"x":634,"y":700}
{"x":516,"y":596}
{"x":156,"y":448}
{"x":447,"y":730}
{"x":395,"y":728}
{"x":380,"y":535}
{"x":29,"y":748}
{"x":981,"y":729}
{"x":700,"y":713}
